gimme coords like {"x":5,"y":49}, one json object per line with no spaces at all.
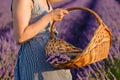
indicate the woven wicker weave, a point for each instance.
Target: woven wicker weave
{"x":97,"y":49}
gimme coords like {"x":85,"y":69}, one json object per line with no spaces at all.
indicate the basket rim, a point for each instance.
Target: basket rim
{"x":99,"y":20}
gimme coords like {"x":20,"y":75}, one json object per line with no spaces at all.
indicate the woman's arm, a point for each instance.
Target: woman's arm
{"x":21,"y":17}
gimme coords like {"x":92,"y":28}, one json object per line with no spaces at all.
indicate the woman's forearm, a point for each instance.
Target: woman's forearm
{"x":35,"y":28}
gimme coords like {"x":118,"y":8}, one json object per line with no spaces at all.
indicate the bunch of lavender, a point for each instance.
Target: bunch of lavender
{"x":57,"y":58}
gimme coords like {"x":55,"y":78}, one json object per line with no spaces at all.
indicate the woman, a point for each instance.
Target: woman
{"x":31,"y":19}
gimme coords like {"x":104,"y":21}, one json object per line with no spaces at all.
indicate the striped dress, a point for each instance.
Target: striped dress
{"x":31,"y":62}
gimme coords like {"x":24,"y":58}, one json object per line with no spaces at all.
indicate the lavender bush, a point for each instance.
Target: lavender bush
{"x":77,"y":28}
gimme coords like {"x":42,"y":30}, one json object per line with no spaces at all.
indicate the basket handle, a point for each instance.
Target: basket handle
{"x":99,"y":20}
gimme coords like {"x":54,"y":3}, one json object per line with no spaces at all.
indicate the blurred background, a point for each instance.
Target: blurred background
{"x":76,"y":28}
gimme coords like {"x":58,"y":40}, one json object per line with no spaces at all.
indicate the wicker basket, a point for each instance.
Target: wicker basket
{"x":97,"y":49}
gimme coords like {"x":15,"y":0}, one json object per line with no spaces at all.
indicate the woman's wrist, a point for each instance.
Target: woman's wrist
{"x":49,"y":17}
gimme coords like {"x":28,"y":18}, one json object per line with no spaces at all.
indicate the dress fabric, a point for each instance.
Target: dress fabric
{"x":31,"y":63}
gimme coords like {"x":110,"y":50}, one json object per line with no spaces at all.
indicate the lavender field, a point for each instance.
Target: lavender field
{"x":77,"y":28}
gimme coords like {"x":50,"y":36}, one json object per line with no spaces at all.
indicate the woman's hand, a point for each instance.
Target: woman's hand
{"x":57,"y":14}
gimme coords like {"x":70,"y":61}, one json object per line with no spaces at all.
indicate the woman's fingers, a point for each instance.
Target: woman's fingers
{"x":65,"y":11}
{"x":58,"y":14}
{"x":62,"y":13}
